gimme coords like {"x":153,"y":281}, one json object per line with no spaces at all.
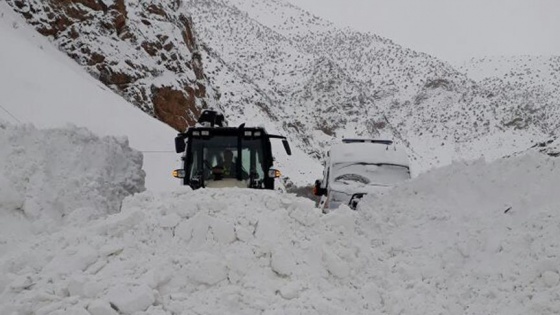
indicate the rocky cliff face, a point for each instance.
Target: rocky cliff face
{"x":144,"y":50}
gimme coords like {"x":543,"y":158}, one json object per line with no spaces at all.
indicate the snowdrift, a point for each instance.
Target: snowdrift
{"x":472,"y":238}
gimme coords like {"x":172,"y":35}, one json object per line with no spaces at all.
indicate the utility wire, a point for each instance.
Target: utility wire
{"x":14,"y":117}
{"x":152,"y":151}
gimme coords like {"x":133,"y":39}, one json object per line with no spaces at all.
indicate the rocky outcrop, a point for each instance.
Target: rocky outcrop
{"x":144,"y":50}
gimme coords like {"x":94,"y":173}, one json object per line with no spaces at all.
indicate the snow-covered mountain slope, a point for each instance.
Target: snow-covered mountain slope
{"x":535,"y":79}
{"x":321,"y":81}
{"x":472,"y":238}
{"x":531,"y":70}
{"x":144,"y":50}
{"x":41,"y":86}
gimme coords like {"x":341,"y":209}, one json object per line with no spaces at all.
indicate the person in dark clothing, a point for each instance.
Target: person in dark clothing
{"x":227,"y":168}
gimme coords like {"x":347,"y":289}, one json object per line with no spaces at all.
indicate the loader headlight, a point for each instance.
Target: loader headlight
{"x":274,"y":173}
{"x":180,"y":173}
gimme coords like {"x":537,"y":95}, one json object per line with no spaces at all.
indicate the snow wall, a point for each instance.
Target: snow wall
{"x":65,"y":174}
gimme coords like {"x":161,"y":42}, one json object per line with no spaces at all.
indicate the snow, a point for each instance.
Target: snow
{"x":368,"y":153}
{"x":79,"y":235}
{"x":480,"y":234}
{"x":470,"y":238}
{"x":519,"y":68}
{"x":51,"y":174}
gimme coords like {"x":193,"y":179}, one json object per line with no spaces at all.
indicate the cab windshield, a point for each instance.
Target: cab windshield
{"x":370,"y":174}
{"x":223,"y":152}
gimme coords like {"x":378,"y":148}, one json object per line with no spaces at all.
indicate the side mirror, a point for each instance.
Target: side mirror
{"x":180,"y":144}
{"x":287,"y":146}
{"x":318,"y":190}
{"x":354,"y":200}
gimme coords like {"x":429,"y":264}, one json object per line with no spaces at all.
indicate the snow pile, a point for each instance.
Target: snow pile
{"x":470,"y":239}
{"x":465,"y":239}
{"x":55,"y":174}
{"x":229,"y":251}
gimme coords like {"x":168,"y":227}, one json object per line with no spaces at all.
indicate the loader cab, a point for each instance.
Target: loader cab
{"x":215,"y":155}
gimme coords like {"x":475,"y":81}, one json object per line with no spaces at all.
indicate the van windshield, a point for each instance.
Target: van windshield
{"x":370,"y":174}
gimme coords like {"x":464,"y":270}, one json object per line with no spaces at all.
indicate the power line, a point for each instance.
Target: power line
{"x":149,"y":151}
{"x":14,"y":117}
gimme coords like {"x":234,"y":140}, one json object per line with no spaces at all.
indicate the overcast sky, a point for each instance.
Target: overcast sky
{"x":453,"y":30}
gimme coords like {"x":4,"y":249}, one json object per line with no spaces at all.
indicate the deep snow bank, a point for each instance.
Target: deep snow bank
{"x":65,"y":174}
{"x":471,"y":238}
{"x":229,"y":251}
{"x":465,"y":239}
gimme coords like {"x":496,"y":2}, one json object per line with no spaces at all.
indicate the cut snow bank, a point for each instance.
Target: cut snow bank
{"x":465,"y":239}
{"x":65,"y":174}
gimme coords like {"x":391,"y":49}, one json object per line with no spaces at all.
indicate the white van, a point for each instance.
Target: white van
{"x":357,"y":167}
